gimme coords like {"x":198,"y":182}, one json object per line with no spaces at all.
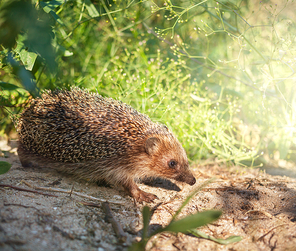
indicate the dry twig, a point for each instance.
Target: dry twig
{"x":26,"y":190}
{"x":116,"y":226}
{"x":260,"y":211}
{"x":65,"y":234}
{"x":59,"y":190}
{"x":261,"y":238}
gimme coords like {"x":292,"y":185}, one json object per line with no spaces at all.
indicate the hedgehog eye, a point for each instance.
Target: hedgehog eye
{"x":172,"y":163}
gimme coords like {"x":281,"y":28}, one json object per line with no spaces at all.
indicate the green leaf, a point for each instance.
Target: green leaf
{"x":27,"y":58}
{"x":8,"y":86}
{"x":39,"y":40}
{"x":191,"y":222}
{"x":14,"y":16}
{"x":25,"y":76}
{"x":146,"y":219}
{"x":62,"y":50}
{"x":21,"y":17}
{"x":51,"y":5}
{"x":4,"y":101}
{"x":4,"y":167}
{"x":229,"y":240}
{"x":68,"y":53}
{"x":92,"y":11}
{"x":49,"y":8}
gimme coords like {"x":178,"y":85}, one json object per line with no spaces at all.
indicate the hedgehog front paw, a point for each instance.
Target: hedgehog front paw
{"x":138,"y":194}
{"x":143,"y":196}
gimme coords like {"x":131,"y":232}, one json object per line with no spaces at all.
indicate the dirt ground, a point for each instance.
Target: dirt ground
{"x":256,"y":206}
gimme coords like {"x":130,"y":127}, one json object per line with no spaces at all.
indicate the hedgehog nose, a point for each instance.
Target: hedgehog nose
{"x":192,"y":181}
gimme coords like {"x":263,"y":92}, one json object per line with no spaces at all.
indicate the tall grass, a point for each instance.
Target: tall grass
{"x":217,"y":73}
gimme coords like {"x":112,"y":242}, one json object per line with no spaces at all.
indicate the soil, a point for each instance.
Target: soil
{"x":256,"y":206}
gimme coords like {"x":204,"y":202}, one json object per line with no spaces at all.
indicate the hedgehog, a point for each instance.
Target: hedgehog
{"x":99,"y":139}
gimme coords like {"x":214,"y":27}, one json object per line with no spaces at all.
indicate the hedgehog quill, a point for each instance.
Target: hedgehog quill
{"x":99,"y":139}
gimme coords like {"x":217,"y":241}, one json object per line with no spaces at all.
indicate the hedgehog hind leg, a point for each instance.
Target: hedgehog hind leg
{"x":102,"y":183}
{"x":24,"y":156}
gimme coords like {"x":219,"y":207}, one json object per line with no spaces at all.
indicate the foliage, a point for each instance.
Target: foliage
{"x":12,"y":99}
{"x":187,"y":224}
{"x":4,"y":167}
{"x":218,"y":73}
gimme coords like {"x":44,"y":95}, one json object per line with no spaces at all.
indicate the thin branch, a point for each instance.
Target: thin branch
{"x":19,"y":205}
{"x":59,"y":190}
{"x":26,"y":190}
{"x":116,"y":226}
{"x":261,"y":238}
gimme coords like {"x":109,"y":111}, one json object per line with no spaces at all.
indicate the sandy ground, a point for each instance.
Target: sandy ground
{"x":256,"y":206}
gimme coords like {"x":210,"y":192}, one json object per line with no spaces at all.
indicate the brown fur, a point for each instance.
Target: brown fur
{"x":98,"y":138}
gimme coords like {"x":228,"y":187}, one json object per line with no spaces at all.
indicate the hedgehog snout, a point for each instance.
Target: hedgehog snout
{"x":192,"y":181}
{"x":187,"y":178}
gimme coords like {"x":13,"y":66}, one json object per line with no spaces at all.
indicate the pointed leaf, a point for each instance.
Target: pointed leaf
{"x":191,"y":222}
{"x":4,"y":167}
{"x":146,"y":219}
{"x":8,"y":86}
{"x":49,"y":8}
{"x":229,"y":240}
{"x":92,"y":11}
{"x":25,"y":76}
{"x":27,"y":58}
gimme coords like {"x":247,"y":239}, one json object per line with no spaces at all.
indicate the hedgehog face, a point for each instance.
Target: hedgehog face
{"x":169,"y":159}
{"x":180,"y":172}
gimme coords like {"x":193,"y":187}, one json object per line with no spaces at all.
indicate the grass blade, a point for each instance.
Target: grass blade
{"x":229,"y":240}
{"x":190,"y":222}
{"x":146,"y":219}
{"x":200,"y":187}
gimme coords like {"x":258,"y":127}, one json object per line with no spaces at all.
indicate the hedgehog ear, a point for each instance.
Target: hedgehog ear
{"x":151,"y":145}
